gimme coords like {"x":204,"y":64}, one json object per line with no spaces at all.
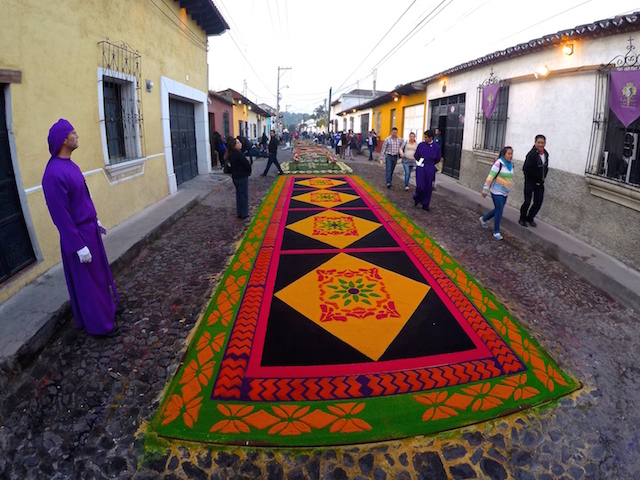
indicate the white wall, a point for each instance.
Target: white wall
{"x":559,"y":106}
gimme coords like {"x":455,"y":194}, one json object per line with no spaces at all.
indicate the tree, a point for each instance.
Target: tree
{"x":319,"y":112}
{"x":292,"y":127}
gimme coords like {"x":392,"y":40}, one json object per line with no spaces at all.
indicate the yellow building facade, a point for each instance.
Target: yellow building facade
{"x":122,"y":72}
{"x":398,"y":110}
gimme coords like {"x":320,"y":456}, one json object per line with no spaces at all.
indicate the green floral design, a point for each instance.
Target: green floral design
{"x":353,"y":291}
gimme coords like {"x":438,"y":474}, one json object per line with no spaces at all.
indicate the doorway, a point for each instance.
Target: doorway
{"x":183,"y":140}
{"x":448,"y":114}
{"x":16,"y":249}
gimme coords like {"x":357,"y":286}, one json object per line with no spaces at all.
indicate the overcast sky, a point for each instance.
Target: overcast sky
{"x":338,"y":43}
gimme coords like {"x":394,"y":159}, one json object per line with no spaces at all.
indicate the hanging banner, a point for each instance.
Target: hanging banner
{"x":623,"y":98}
{"x":490,"y":99}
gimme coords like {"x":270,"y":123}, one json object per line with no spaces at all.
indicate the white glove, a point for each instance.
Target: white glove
{"x":420,"y":163}
{"x":101,"y":228}
{"x":84,"y":255}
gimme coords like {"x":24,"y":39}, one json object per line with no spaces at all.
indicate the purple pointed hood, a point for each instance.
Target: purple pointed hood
{"x":57,"y":135}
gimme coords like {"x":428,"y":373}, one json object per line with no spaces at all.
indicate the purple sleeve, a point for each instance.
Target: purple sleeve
{"x":418,"y":153}
{"x":56,"y":196}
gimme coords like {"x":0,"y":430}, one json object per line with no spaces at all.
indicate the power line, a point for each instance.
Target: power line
{"x":455,"y":23}
{"x":279,"y":19}
{"x":249,"y":64}
{"x":536,"y":24}
{"x":376,"y":45}
{"x":414,"y":31}
{"x":230,"y":17}
{"x":193,"y":37}
{"x":271,"y":19}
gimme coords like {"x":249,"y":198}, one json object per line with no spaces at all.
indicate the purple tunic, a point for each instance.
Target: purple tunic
{"x":74,"y":215}
{"x":426,"y":173}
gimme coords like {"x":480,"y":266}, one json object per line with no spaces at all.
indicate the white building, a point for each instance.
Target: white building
{"x":557,"y":85}
{"x":345,"y":116}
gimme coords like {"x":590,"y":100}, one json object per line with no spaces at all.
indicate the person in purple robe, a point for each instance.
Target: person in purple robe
{"x":427,"y":155}
{"x":84,"y":259}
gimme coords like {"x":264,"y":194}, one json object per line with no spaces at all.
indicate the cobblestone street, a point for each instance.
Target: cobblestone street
{"x":79,"y":410}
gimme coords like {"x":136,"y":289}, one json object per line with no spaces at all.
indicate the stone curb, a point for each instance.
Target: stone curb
{"x":32,"y":347}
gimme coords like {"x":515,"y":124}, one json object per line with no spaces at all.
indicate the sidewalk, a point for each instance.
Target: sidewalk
{"x":598,"y":268}
{"x":43,"y":305}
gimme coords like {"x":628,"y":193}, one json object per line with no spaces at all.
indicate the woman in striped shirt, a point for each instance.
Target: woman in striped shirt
{"x":499,"y":183}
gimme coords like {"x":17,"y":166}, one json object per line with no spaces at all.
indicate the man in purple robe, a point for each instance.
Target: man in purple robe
{"x":84,"y":259}
{"x":427,"y":155}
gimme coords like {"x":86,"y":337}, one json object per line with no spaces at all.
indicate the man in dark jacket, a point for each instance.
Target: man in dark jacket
{"x":273,"y":152}
{"x":536,"y":167}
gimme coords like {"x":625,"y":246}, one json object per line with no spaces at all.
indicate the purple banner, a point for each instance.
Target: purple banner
{"x":624,"y":98}
{"x":490,"y":99}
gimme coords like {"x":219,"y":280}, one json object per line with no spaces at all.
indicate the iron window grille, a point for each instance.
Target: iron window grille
{"x":225,"y":125}
{"x":613,"y":149}
{"x":122,"y":102}
{"x":491,"y":133}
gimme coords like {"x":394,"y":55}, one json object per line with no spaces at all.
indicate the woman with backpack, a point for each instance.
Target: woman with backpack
{"x":499,"y":183}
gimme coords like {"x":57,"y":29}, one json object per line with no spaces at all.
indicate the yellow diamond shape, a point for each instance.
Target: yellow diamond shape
{"x":321,"y":182}
{"x":325,"y":198}
{"x":363,"y":305}
{"x":334,"y":228}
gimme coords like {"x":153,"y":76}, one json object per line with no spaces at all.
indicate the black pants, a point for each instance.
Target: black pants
{"x":537,"y":192}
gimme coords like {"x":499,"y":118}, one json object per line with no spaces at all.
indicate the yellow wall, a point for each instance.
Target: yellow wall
{"x":385,"y":109}
{"x":239,"y":113}
{"x":55,"y":46}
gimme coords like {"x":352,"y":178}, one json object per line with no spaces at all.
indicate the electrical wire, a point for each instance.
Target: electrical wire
{"x":273,"y":27}
{"x":534,"y":25}
{"x":250,"y":66}
{"x":193,"y":37}
{"x":414,"y":31}
{"x":376,"y":45}
{"x":456,"y":22}
{"x":231,"y":21}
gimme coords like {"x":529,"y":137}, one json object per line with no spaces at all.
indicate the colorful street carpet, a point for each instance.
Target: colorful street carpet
{"x":339,"y":321}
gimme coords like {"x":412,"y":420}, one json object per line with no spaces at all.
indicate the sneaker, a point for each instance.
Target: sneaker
{"x":497,"y":236}
{"x":388,"y":185}
{"x":406,"y":187}
{"x":483,"y":223}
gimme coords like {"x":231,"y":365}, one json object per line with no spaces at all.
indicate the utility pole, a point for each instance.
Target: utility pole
{"x":329,"y":112}
{"x":283,"y":69}
{"x":244,"y":87}
{"x":375,"y":76}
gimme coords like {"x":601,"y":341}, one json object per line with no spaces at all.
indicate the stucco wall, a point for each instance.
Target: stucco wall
{"x":56,"y":49}
{"x":569,"y":206}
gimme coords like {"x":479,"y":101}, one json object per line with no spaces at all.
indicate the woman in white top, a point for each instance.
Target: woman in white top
{"x":408,"y":162}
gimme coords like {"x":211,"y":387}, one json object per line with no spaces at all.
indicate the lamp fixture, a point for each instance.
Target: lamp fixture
{"x":568,"y":49}
{"x":240,"y":102}
{"x":354,"y":110}
{"x":541,"y":72}
{"x":148,"y":85}
{"x":395,"y":99}
{"x":443,"y":82}
{"x":249,"y":107}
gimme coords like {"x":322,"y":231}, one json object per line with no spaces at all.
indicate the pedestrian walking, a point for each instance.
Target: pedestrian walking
{"x":391,"y":151}
{"x":84,"y":260}
{"x":536,"y":167}
{"x":499,"y":183}
{"x":408,"y":161}
{"x":427,"y":155}
{"x":353,"y":144}
{"x":342,"y":144}
{"x":273,"y":154}
{"x":240,"y":172}
{"x":372,"y":143}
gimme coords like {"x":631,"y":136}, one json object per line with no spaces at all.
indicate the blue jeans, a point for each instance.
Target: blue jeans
{"x":370,"y":152}
{"x":242,"y":196}
{"x":498,"y":201}
{"x":407,"y":173}
{"x":390,"y":165}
